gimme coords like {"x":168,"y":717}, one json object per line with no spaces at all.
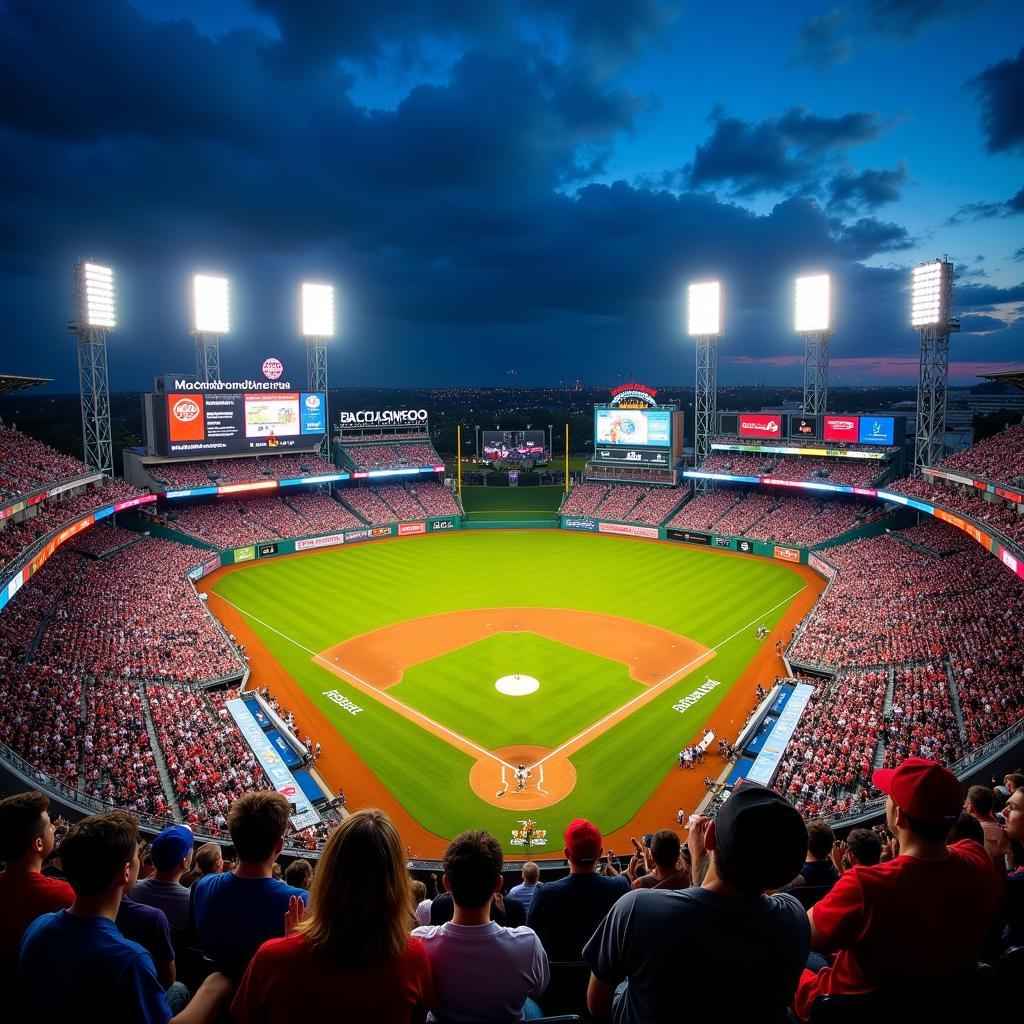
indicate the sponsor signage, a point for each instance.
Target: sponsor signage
{"x":1015,"y":496}
{"x":634,"y":396}
{"x":311,"y":543}
{"x":381,"y":531}
{"x":688,"y":536}
{"x":690,"y":699}
{"x":786,"y":554}
{"x":343,"y":702}
{"x":390,"y":417}
{"x":835,"y":453}
{"x":628,"y":530}
{"x":745,"y":546}
{"x":823,"y":568}
{"x":272,"y":368}
{"x":246,"y":554}
{"x":876,"y":429}
{"x":634,"y":456}
{"x":352,"y":535}
{"x":442,"y":524}
{"x":841,"y":428}
{"x":766,"y":763}
{"x":723,"y":542}
{"x":760,"y":425}
{"x":405,"y":529}
{"x":241,"y":421}
{"x":169,"y":382}
{"x":633,"y":428}
{"x":578,"y":523}
{"x":803,"y":426}
{"x":266,"y":550}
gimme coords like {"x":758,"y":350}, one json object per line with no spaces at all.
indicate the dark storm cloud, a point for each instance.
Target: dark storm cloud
{"x":866,"y":190}
{"x":988,"y":210}
{"x":869,"y":236}
{"x":819,"y":42}
{"x":1019,"y":254}
{"x":906,"y":19}
{"x":1000,"y":88}
{"x":778,"y":152}
{"x":976,"y":324}
{"x":972,"y":296}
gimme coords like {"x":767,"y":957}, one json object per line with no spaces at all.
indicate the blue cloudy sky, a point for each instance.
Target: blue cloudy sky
{"x":496,"y":185}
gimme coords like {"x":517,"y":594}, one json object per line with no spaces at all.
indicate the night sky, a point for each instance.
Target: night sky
{"x":497,"y":185}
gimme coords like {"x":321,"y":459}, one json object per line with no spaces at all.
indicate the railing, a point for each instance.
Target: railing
{"x":30,"y":498}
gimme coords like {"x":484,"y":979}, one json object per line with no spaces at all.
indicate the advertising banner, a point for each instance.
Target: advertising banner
{"x":723,"y":542}
{"x":437,"y":525}
{"x":513,"y":445}
{"x":786,"y":554}
{"x":760,"y":425}
{"x":876,"y":429}
{"x":1015,"y":496}
{"x":688,"y":536}
{"x":381,"y":531}
{"x":578,"y":523}
{"x":823,"y":568}
{"x":803,"y":426}
{"x":766,"y":763}
{"x":841,"y":428}
{"x":659,"y":458}
{"x":354,"y":535}
{"x":311,"y":543}
{"x":246,"y":554}
{"x":266,"y":550}
{"x":386,"y":417}
{"x":640,"y":428}
{"x":745,"y":546}
{"x":628,"y":530}
{"x":405,"y":529}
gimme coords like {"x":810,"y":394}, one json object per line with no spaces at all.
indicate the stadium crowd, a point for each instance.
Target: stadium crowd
{"x":395,"y":455}
{"x":998,"y":515}
{"x":847,"y":471}
{"x":999,"y":458}
{"x":170,"y":932}
{"x":250,"y":469}
{"x":27,"y":464}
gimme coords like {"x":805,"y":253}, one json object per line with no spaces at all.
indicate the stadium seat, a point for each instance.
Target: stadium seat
{"x":567,"y":990}
{"x":1011,"y":964}
{"x":941,"y":999}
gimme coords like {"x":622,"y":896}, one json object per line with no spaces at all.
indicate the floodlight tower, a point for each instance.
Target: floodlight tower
{"x":930,"y":306}
{"x":94,"y":316}
{"x":813,"y":319}
{"x":211,"y":318}
{"x":704,"y":323}
{"x":317,"y":327}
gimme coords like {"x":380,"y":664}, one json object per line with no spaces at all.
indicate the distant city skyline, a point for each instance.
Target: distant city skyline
{"x":511,"y":186}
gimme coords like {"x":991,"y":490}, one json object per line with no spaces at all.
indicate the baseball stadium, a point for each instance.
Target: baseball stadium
{"x":275,"y":594}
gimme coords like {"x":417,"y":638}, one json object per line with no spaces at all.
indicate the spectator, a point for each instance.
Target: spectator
{"x":966,"y":827}
{"x":818,"y":869}
{"x":481,"y":970}
{"x":148,"y":927}
{"x":208,"y":860}
{"x":523,"y":892}
{"x":26,"y":840}
{"x":299,"y":874}
{"x":862,"y":846}
{"x":565,"y":913}
{"x":419,"y":898}
{"x":351,"y":953}
{"x":979,"y":805}
{"x":235,"y":912}
{"x":923,"y":915}
{"x":172,"y":856}
{"x":101,"y":974}
{"x":656,"y":942}
{"x":1014,"y":813}
{"x":667,"y":871}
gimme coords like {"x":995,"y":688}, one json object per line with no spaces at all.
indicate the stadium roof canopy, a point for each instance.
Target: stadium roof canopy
{"x":1015,"y":378}
{"x":10,"y":382}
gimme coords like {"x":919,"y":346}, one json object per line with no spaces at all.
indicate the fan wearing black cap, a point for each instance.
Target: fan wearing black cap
{"x":660,"y":943}
{"x":923,"y":915}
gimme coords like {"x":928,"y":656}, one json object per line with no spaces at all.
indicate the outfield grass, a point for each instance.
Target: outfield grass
{"x":576,"y":689}
{"x":301,"y":606}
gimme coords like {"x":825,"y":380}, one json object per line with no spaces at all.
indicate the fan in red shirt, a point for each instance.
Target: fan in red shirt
{"x":350,"y":956}
{"x":26,"y":840}
{"x":923,"y":915}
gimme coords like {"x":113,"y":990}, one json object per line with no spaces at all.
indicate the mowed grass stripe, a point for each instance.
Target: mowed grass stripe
{"x":323,"y":598}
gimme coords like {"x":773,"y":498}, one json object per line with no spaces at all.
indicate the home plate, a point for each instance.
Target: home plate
{"x":517,"y":685}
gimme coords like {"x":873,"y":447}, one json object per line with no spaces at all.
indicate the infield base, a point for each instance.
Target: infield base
{"x":548,"y":783}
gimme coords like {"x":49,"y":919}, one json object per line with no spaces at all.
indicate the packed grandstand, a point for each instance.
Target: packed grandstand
{"x":915,"y":649}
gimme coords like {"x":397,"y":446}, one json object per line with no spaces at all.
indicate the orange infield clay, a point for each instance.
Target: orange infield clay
{"x":657,"y":664}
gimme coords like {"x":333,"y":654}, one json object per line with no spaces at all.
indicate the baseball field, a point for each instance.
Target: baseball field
{"x":431,"y":668}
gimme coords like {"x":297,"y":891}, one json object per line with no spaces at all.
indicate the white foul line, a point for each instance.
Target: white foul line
{"x":371,"y":691}
{"x":667,"y":681}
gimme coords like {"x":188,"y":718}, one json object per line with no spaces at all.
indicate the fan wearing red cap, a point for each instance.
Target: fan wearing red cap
{"x":922,"y":916}
{"x":565,"y":913}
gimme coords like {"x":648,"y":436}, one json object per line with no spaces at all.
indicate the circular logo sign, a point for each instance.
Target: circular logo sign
{"x":185,"y":410}
{"x":272,"y":368}
{"x":312,"y":401}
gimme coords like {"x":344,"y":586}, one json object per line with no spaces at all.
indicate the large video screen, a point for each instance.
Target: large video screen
{"x":514,"y":445}
{"x":226,"y":423}
{"x":633,"y":428}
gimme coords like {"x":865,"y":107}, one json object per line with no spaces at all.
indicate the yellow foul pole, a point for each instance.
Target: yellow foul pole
{"x":458,"y":446}
{"x":567,"y":458}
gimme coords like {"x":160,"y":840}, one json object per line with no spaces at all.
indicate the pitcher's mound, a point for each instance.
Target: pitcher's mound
{"x":517,"y":685}
{"x":548,"y":783}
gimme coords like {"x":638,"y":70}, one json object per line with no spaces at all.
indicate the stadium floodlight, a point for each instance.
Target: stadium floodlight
{"x":704,"y":309}
{"x":813,"y":303}
{"x":930,"y":294}
{"x":210,"y":311}
{"x":95,"y":286}
{"x":317,"y":310}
